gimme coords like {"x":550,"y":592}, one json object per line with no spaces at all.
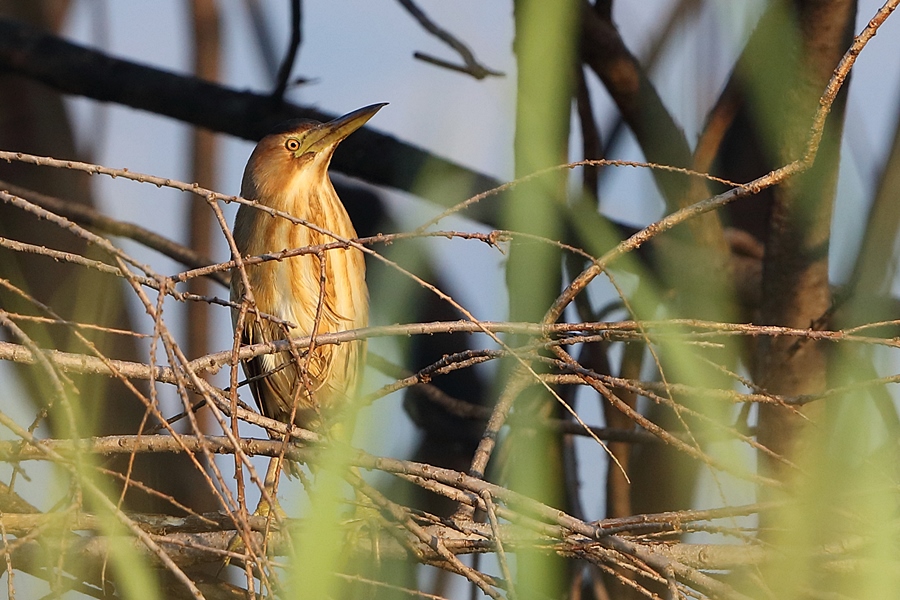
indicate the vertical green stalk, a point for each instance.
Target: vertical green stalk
{"x":319,"y":538}
{"x":545,"y":49}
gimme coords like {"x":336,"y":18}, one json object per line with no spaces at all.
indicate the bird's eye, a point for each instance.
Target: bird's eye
{"x":292,"y":144}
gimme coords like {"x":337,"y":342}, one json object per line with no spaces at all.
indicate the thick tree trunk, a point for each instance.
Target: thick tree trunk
{"x":795,"y":286}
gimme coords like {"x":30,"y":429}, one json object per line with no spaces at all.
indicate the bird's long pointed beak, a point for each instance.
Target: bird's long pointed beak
{"x":331,"y":133}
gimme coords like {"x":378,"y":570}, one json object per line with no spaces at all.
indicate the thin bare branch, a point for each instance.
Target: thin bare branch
{"x":470,"y":65}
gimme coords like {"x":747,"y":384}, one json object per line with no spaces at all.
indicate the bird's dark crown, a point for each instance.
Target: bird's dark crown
{"x":293,"y":126}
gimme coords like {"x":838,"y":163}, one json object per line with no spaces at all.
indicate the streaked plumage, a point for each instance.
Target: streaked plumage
{"x":288,"y":171}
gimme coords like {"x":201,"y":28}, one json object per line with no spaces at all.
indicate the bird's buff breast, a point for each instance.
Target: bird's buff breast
{"x":292,"y":288}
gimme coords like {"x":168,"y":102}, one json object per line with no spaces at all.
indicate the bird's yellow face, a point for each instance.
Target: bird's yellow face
{"x":299,"y":149}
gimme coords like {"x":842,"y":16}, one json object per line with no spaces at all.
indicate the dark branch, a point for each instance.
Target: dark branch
{"x":290,"y":57}
{"x":660,"y":137}
{"x":374,"y":157}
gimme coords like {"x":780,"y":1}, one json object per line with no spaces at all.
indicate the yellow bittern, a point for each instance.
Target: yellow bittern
{"x":288,"y":171}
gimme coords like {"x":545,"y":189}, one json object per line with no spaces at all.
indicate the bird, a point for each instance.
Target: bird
{"x":288,"y":172}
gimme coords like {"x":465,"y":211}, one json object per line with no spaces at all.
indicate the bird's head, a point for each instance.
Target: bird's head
{"x":298,"y":150}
